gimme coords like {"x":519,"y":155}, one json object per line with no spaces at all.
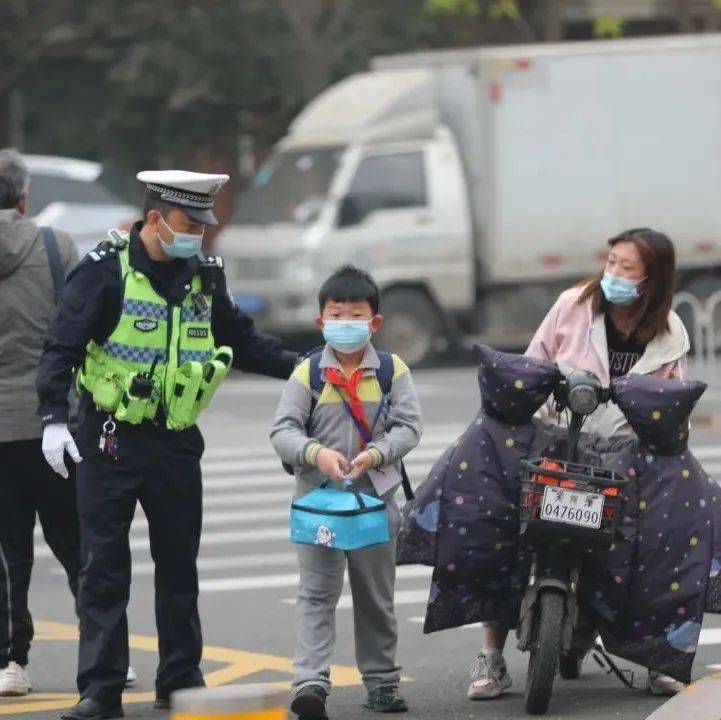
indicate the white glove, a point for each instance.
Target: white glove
{"x":56,"y":440}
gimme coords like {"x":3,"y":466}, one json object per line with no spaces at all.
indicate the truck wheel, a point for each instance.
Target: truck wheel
{"x":544,"y":655}
{"x":411,"y":326}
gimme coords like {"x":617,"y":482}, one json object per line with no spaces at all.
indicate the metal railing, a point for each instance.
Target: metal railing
{"x":702,"y":329}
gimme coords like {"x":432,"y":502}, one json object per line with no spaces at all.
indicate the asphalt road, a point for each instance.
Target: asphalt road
{"x":248,"y":579}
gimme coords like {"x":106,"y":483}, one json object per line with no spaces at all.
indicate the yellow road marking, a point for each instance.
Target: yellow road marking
{"x":238,"y":664}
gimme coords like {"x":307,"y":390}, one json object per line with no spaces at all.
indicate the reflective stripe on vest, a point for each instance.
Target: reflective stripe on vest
{"x":150,"y":330}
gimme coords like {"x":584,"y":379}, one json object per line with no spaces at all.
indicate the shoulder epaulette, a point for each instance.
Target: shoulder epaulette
{"x":118,"y":239}
{"x":103,"y":251}
{"x":109,"y":248}
{"x":213,"y":261}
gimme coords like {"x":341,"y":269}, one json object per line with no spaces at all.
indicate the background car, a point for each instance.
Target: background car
{"x":69,"y":195}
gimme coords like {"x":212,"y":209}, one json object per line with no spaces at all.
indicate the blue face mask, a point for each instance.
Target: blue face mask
{"x":347,"y":336}
{"x":618,"y":290}
{"x":184,"y":245}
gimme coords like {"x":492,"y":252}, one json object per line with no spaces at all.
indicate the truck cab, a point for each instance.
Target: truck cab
{"x":369,"y":176}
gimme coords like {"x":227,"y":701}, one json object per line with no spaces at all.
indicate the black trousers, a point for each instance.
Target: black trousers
{"x":161,"y":470}
{"x":28,"y":487}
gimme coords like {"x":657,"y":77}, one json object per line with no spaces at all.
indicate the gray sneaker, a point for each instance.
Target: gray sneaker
{"x":489,"y":677}
{"x":663,"y":685}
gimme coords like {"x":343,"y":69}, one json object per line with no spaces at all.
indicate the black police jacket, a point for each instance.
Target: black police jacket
{"x":90,"y":307}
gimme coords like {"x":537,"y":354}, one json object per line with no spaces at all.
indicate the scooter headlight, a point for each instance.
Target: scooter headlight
{"x":583,"y":394}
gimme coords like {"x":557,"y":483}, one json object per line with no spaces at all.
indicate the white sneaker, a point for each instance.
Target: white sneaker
{"x":489,"y":676}
{"x":664,"y":685}
{"x":131,"y":678}
{"x":14,"y":681}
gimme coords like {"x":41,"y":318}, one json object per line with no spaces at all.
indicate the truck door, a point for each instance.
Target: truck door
{"x":394,"y":220}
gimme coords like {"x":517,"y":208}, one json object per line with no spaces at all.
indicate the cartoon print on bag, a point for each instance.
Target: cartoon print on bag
{"x":324,"y":536}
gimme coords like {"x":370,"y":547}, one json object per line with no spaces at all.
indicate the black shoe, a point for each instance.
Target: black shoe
{"x":385,"y":700}
{"x":309,"y":703}
{"x":162,"y":702}
{"x":89,"y":709}
{"x":162,"y":694}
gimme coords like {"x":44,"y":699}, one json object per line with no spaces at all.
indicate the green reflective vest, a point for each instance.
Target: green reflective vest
{"x":159,"y":354}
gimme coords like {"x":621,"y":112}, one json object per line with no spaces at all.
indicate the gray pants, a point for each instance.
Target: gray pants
{"x":372,"y":573}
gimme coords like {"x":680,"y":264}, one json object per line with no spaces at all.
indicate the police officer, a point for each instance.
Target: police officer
{"x":147,"y":324}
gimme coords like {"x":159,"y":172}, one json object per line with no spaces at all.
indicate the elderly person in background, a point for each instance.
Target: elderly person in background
{"x":27,"y":486}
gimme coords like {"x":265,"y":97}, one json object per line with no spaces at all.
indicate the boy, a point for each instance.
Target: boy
{"x":332,"y":438}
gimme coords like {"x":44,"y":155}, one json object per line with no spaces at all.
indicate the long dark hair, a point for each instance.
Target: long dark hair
{"x":659,"y":257}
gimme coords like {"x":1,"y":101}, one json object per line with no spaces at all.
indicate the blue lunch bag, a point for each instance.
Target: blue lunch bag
{"x":338,"y":519}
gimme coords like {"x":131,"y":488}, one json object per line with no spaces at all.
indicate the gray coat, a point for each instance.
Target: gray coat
{"x":28,"y":303}
{"x":396,"y":433}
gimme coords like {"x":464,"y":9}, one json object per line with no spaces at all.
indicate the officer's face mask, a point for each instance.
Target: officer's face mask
{"x":184,"y":245}
{"x":347,"y":336}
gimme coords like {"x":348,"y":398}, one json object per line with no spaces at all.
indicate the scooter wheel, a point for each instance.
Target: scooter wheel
{"x":543,"y":662}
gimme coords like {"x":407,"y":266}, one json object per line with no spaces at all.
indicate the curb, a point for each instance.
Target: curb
{"x":699,"y":701}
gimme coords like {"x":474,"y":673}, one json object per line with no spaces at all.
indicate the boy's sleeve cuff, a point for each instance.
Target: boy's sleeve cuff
{"x":377,"y":456}
{"x":311,"y":452}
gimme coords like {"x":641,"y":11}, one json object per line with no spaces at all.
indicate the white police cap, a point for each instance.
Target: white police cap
{"x":192,"y":192}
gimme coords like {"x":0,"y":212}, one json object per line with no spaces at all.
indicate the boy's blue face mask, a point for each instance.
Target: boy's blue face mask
{"x":618,"y":290}
{"x":347,"y":336}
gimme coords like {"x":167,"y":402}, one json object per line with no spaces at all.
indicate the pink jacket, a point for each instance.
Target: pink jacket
{"x":574,"y":338}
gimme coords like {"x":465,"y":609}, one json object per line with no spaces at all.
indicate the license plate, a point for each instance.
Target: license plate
{"x":572,"y":507}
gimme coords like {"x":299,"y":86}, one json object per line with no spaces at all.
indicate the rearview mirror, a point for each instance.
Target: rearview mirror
{"x":350,"y":211}
{"x":308,"y":211}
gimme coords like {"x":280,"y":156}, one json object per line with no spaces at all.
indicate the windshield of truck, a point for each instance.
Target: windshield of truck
{"x":288,"y":181}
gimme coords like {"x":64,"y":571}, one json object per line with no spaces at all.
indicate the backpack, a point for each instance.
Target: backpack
{"x":384,"y":374}
{"x":54,"y":262}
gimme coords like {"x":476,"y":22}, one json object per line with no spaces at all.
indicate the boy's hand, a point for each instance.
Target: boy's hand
{"x":361,"y":464}
{"x":332,"y":464}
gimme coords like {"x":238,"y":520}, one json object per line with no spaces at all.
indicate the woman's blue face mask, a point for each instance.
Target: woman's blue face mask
{"x":618,"y":290}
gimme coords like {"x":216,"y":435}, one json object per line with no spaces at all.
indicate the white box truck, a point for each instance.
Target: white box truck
{"x":476,"y":184}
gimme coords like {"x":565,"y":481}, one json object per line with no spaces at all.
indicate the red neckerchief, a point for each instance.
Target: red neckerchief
{"x":350,"y":385}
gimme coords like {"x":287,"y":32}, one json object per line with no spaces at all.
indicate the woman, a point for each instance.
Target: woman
{"x":618,"y":322}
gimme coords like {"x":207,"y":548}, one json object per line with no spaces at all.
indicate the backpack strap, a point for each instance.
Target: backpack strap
{"x":316,"y":388}
{"x":386,"y":371}
{"x":316,"y":379}
{"x":384,"y":374}
{"x":55,"y":263}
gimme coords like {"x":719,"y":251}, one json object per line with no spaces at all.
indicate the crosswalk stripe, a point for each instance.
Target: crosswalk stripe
{"x":710,"y":636}
{"x":143,"y":568}
{"x":139,"y":525}
{"x":247,"y":498}
{"x":272,"y":465}
{"x":212,"y":538}
{"x":436,"y":435}
{"x":402,"y":597}
{"x":707,"y":452}
{"x":280,"y":478}
{"x":261,"y":582}
{"x":440,"y":440}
